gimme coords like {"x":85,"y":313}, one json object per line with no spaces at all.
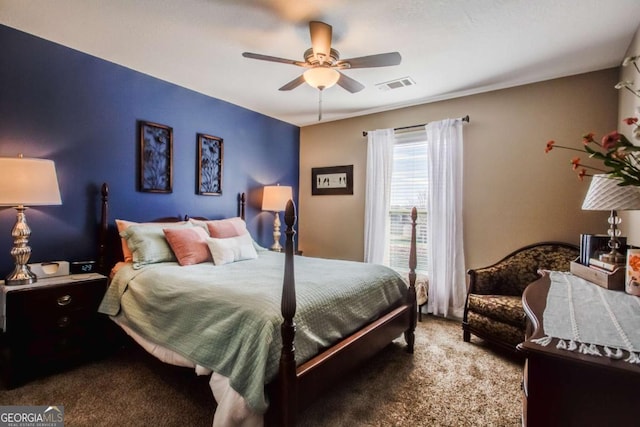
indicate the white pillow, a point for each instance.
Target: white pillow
{"x":231,"y":249}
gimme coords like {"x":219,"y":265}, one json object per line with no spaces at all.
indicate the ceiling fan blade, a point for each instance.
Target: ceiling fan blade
{"x":272,"y":59}
{"x":349,"y":84}
{"x":293,"y":83}
{"x":379,"y":60}
{"x":321,"y":34}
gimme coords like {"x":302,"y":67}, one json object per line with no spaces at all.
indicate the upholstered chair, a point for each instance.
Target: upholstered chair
{"x":493,"y":309}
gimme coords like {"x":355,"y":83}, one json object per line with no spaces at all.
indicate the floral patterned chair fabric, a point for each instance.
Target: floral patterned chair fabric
{"x":493,"y":310}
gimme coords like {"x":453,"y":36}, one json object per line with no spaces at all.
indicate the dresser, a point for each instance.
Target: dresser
{"x":568,"y":388}
{"x":49,"y":325}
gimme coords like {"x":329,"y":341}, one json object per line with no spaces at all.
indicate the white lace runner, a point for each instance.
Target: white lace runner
{"x":587,"y":318}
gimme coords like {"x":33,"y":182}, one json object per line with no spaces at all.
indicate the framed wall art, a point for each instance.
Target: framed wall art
{"x":333,"y":180}
{"x":156,"y":157}
{"x":209,"y":167}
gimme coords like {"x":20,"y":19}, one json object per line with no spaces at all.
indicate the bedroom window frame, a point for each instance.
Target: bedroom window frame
{"x":409,"y":162}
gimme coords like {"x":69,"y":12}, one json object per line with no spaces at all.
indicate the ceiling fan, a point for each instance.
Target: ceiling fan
{"x":323,"y":63}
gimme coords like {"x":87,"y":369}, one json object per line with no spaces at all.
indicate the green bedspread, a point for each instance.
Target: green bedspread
{"x":227,"y":318}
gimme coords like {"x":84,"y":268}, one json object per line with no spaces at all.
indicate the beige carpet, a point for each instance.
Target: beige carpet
{"x":445,"y":383}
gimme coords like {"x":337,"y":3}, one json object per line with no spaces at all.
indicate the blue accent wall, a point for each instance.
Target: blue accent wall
{"x":82,"y":112}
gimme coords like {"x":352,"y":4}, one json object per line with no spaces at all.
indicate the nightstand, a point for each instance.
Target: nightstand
{"x":49,"y":325}
{"x":561,"y":387}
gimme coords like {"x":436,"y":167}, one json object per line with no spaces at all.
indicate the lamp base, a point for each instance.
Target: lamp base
{"x":21,"y":275}
{"x":276,"y":247}
{"x":21,"y":252}
{"x":613,"y":258}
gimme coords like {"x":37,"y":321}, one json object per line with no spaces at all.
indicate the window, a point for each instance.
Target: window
{"x":409,"y":188}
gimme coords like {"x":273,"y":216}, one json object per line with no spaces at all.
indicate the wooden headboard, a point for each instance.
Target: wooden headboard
{"x":109,"y":246}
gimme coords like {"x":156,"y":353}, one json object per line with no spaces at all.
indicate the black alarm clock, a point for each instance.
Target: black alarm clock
{"x":82,"y":267}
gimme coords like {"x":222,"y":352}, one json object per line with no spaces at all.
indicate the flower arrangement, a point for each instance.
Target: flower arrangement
{"x":619,"y":158}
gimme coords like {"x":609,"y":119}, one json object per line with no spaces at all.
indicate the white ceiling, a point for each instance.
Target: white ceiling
{"x":449,"y":48}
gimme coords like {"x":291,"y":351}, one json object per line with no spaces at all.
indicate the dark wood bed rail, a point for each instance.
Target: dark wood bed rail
{"x":296,"y":387}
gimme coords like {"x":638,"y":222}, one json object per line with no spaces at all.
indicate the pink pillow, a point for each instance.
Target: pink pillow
{"x":188,"y":244}
{"x":225,"y":228}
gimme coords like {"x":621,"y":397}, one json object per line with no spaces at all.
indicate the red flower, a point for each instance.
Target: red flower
{"x":588,"y":138}
{"x":610,"y":140}
{"x":582,"y":174}
{"x":575,"y":162}
{"x":620,"y":154}
{"x":631,"y":120}
{"x":549,"y":146}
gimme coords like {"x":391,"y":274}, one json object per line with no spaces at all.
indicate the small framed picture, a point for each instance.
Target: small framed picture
{"x":209,"y":167}
{"x":156,"y":157}
{"x":333,"y":180}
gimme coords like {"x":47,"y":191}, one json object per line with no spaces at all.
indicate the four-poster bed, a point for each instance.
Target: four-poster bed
{"x":382,"y":313}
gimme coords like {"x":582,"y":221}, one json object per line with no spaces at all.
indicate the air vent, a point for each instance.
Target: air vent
{"x":396,"y":84}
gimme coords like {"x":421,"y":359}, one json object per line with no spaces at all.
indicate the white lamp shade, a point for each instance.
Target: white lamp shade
{"x":28,"y":182}
{"x":321,"y":77}
{"x":605,"y":194}
{"x":275,"y":197}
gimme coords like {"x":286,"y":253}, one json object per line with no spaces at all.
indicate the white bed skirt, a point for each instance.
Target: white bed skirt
{"x":232,"y":409}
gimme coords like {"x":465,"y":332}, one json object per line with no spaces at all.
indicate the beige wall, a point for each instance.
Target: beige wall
{"x":514,"y":193}
{"x":629,"y":106}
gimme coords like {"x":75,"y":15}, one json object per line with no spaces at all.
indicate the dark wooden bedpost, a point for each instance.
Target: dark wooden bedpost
{"x":410,"y":333}
{"x":242,"y":198}
{"x":102,"y":237}
{"x":287,"y":374}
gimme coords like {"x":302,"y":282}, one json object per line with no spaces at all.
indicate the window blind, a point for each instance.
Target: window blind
{"x":409,"y":188}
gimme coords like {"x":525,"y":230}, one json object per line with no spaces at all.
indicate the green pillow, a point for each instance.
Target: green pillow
{"x":148,"y":244}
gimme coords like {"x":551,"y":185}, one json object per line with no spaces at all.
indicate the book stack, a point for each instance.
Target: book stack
{"x":594,"y":245}
{"x":605,"y":266}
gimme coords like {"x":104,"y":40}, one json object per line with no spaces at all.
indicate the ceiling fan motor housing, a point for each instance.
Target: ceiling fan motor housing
{"x":311,"y":59}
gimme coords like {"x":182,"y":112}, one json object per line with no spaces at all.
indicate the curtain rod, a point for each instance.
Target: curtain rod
{"x":464,"y":119}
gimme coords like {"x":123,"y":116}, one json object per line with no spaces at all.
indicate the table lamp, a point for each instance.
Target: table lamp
{"x":605,"y":194}
{"x":274,"y":199}
{"x":26,"y":182}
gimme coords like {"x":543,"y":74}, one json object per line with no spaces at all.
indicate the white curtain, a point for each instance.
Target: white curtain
{"x":377,"y":194}
{"x":447,"y":280}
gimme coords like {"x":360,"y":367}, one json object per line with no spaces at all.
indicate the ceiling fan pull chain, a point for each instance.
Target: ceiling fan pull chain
{"x":320,"y":102}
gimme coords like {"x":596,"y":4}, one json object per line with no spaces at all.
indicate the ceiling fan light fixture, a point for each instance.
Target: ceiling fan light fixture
{"x":321,"y":77}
